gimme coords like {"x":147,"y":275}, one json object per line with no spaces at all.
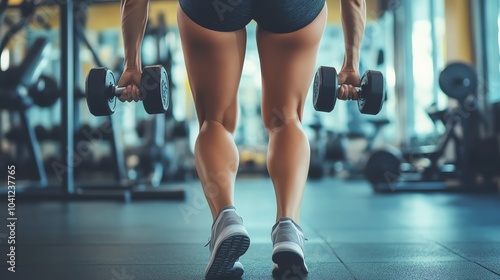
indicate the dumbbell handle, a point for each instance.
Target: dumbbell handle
{"x":358,"y":90}
{"x":116,"y":91}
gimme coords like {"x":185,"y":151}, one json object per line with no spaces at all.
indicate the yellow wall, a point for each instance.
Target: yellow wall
{"x":103,"y":16}
{"x":459,"y":41}
{"x":372,"y":11}
{"x":106,"y":15}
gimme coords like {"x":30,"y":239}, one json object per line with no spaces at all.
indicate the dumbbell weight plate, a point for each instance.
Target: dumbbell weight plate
{"x":97,"y":88}
{"x":325,"y":89}
{"x":383,"y":168}
{"x":44,"y":92}
{"x":373,"y":88}
{"x":458,"y":80}
{"x":155,"y":98}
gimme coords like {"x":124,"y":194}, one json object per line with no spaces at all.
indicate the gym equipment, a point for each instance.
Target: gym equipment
{"x":354,"y":168}
{"x":496,"y":117}
{"x":316,"y":169}
{"x":28,"y":70}
{"x":157,"y":51}
{"x":389,"y":170}
{"x":64,"y":166}
{"x":458,"y":80}
{"x":162,"y":153}
{"x":140,"y":128}
{"x":371,"y":93}
{"x":384,"y":166}
{"x":328,"y":154}
{"x":102,"y":91}
{"x":44,"y":92}
{"x":14,"y":93}
{"x":27,"y":8}
{"x":42,"y":133}
{"x":485,"y":157}
{"x":15,"y":134}
{"x":334,"y":151}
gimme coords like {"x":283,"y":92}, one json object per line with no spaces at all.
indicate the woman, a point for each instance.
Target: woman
{"x":213,"y":38}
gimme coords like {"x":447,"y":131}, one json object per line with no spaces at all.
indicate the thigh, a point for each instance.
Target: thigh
{"x":214,"y":62}
{"x":288,"y":63}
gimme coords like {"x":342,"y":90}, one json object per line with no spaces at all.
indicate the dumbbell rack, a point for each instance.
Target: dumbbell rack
{"x":67,"y":190}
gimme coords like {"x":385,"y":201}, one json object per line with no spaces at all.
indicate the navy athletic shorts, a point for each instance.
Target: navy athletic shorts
{"x":277,"y":16}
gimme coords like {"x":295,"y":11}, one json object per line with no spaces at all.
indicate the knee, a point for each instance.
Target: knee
{"x":277,"y":120}
{"x":228,"y":125}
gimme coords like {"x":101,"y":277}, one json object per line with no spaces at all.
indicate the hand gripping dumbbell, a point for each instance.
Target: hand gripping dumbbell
{"x":102,"y":92}
{"x":371,"y":93}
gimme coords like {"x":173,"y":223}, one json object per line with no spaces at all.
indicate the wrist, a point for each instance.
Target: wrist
{"x":351,"y":59}
{"x":131,"y":69}
{"x":350,"y":65}
{"x":133,"y":65}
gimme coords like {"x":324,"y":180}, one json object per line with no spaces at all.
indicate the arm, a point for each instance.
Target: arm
{"x":353,"y":14}
{"x":134,"y":15}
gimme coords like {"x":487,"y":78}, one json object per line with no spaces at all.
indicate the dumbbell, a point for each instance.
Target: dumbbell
{"x":44,"y":92}
{"x":371,"y":93}
{"x":102,"y":92}
{"x":458,"y":80}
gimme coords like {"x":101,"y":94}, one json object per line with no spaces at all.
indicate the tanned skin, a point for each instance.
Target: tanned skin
{"x":214,"y":62}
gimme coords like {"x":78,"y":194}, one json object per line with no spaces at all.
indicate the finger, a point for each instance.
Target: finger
{"x":130,"y":90}
{"x":136,"y":94}
{"x":351,"y":94}
{"x":123,"y":96}
{"x":340,"y":94}
{"x":344,"y":95}
{"x":346,"y":92}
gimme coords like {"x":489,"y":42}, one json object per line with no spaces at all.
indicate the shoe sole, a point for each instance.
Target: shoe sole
{"x":289,"y":263}
{"x":228,"y":252}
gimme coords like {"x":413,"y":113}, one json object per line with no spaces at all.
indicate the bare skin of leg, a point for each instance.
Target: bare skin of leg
{"x":288,"y":64}
{"x":214,"y":62}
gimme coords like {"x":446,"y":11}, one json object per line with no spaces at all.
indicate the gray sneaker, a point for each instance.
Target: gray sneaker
{"x":288,"y":249}
{"x":228,"y":242}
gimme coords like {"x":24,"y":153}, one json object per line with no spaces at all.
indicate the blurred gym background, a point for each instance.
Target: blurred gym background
{"x":426,"y":138}
{"x":411,"y":43}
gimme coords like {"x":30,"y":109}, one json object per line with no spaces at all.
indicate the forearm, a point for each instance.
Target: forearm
{"x":134,"y":16}
{"x":353,"y":13}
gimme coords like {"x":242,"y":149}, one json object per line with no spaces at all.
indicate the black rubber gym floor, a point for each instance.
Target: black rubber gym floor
{"x":353,"y":234}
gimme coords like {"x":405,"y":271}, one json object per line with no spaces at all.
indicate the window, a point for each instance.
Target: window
{"x":498,"y":76}
{"x":491,"y":49}
{"x":428,"y":60}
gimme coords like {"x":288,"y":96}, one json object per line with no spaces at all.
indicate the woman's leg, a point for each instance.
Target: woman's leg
{"x":288,"y":64}
{"x":214,"y":61}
